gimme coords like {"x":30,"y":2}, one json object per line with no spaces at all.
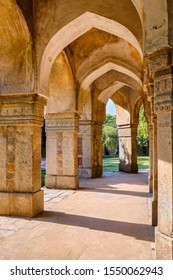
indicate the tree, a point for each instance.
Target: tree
{"x":142,"y":136}
{"x":110,"y":135}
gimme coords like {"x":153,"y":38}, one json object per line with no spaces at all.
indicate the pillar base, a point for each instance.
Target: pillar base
{"x":84,"y":173}
{"x":61,"y":182}
{"x":21,"y":204}
{"x":128,"y":168}
{"x":164,"y":246}
{"x":154,"y":213}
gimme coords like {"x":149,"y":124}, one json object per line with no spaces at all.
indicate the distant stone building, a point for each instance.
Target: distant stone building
{"x":64,"y":59}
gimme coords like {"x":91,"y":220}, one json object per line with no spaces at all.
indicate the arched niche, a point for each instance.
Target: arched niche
{"x":61,"y":86}
{"x":85,"y":104}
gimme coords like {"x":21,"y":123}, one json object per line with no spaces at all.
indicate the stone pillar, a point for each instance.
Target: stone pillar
{"x":61,"y":150}
{"x":85,"y":149}
{"x":155,"y":174}
{"x":151,"y":158}
{"x":97,"y":149}
{"x":21,"y":119}
{"x":164,"y":111}
{"x":128,"y":148}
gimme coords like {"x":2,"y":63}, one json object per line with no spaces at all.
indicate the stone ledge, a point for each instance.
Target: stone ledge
{"x":21,"y":204}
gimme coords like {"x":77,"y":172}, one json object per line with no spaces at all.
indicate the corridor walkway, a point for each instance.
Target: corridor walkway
{"x":108,"y":218}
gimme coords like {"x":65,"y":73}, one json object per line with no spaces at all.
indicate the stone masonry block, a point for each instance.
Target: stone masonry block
{"x":5,"y":203}
{"x":27,"y":204}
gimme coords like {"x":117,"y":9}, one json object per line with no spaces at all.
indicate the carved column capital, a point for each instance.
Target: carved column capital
{"x":85,"y":126}
{"x":21,"y":109}
{"x":158,"y":59}
{"x":163,"y":85}
{"x":60,"y":122}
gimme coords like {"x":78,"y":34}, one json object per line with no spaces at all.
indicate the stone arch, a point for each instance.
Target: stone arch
{"x":73,"y":30}
{"x":122,"y":107}
{"x":121,"y":53}
{"x":108,"y":92}
{"x":106,"y":68}
{"x":15,"y":50}
{"x":135,"y":113}
{"x":139,"y":8}
{"x":127,"y":133}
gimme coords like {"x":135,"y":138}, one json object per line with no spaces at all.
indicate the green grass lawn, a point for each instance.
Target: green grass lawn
{"x":111,"y":164}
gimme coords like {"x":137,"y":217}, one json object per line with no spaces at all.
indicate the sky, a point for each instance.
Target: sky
{"x":110,"y":108}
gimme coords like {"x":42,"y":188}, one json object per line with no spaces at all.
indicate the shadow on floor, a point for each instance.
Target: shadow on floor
{"x":113,"y":190}
{"x":138,"y":231}
{"x":118,"y":178}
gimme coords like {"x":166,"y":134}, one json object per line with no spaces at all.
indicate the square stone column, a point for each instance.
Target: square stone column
{"x":151,"y":158}
{"x":97,"y":149}
{"x":21,"y":119}
{"x":155,"y":173}
{"x":128,"y":148}
{"x":62,"y":150}
{"x":85,"y":149}
{"x":164,"y":110}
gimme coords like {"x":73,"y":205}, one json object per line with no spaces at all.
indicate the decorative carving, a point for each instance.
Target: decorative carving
{"x":59,"y":154}
{"x":158,"y":60}
{"x":10,"y":159}
{"x":85,"y":129}
{"x":21,"y":109}
{"x":127,"y":131}
{"x":61,"y":122}
{"x":163,"y":100}
{"x":163,"y":85}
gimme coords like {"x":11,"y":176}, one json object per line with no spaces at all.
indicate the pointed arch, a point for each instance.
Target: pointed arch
{"x":108,"y":92}
{"x":106,"y":68}
{"x":74,"y":30}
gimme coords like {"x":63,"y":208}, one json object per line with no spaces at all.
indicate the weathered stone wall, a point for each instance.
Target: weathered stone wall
{"x":16,"y":69}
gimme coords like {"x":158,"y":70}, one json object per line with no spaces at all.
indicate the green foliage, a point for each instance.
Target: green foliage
{"x":110,"y":120}
{"x":142,"y":136}
{"x":110,"y":135}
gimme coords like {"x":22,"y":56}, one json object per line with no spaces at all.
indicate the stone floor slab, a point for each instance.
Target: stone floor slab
{"x":107,"y":218}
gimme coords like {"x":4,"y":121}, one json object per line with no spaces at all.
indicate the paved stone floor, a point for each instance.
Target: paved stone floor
{"x":108,"y":218}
